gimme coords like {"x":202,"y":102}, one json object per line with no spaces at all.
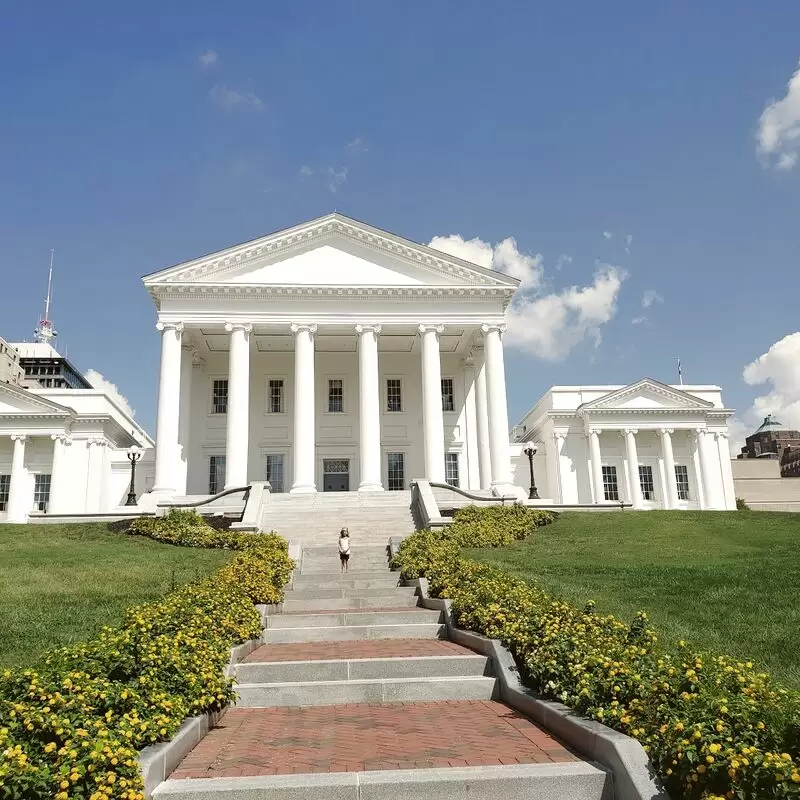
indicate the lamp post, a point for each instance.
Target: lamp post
{"x":530,"y":451}
{"x":134,"y":454}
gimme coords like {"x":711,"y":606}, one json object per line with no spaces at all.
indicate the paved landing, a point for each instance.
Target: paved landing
{"x":375,"y":648}
{"x":358,"y":738}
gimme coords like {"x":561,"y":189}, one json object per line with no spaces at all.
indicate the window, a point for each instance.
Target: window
{"x":41,"y":492}
{"x":396,"y":472}
{"x":274,"y":471}
{"x":610,"y":485}
{"x":448,"y":398}
{"x":451,"y":468}
{"x":335,"y":396}
{"x":5,"y":488}
{"x":394,"y":394}
{"x":646,"y":482}
{"x":216,"y":474}
{"x":219,"y":397}
{"x":682,"y":481}
{"x":275,"y":396}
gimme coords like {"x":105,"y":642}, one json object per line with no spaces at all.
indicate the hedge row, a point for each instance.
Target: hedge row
{"x":74,"y":728}
{"x":713,"y":726}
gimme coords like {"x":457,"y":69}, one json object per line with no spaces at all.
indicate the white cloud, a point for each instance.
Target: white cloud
{"x":628,"y":243}
{"x":336,"y":178}
{"x":563,"y":261}
{"x":779,"y":128}
{"x":208,"y":58}
{"x":779,"y":368}
{"x":357,"y":146}
{"x":651,"y":297}
{"x":547,"y":325}
{"x":638,"y":320}
{"x":228,"y":99}
{"x":306,"y":171}
{"x":607,"y":235}
{"x":110,"y":390}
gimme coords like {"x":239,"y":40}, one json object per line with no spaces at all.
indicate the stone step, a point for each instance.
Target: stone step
{"x":351,"y":633}
{"x":339,"y":593}
{"x":361,"y":669}
{"x":304,"y":603}
{"x":375,"y":690}
{"x":384,"y":580}
{"x":354,"y":565}
{"x":402,"y":617}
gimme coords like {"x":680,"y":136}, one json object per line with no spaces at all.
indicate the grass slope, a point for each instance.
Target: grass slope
{"x":61,"y":583}
{"x":725,"y":581}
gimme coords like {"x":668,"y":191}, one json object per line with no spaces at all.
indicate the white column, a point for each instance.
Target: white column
{"x":473,"y":479}
{"x":705,"y":441}
{"x":724,"y":452}
{"x":304,"y":417}
{"x":698,"y":471}
{"x":633,"y":467}
{"x":238,"y":430}
{"x":59,"y":475}
{"x":558,"y":484}
{"x":168,"y":418}
{"x":188,"y":355}
{"x":597,"y":466}
{"x":671,"y":488}
{"x":482,"y":412}
{"x":497,"y":407}
{"x":369,"y":408}
{"x":18,"y":506}
{"x":432,"y":416}
{"x":94,"y":474}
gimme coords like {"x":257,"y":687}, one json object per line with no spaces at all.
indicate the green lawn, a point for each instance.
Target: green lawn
{"x":62,"y":583}
{"x":724,"y":581}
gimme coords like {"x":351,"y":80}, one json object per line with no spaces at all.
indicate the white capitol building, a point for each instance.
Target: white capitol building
{"x":337,"y":357}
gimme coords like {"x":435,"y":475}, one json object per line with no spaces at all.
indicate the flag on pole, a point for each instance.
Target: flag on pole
{"x":680,"y":373}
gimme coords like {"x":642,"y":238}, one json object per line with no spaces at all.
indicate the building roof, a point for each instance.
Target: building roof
{"x":771,"y":424}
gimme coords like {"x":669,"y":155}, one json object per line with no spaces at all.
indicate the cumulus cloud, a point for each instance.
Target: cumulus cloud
{"x":545,"y":324}
{"x":357,"y":146}
{"x":229,"y":99}
{"x":779,"y":128}
{"x":208,"y":58}
{"x":638,"y":320}
{"x":651,"y":297}
{"x":607,"y":235}
{"x":779,"y":370}
{"x":110,"y":390}
{"x":336,"y":178}
{"x":306,"y":171}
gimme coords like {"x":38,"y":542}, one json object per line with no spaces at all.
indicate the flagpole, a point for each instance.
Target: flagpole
{"x":680,"y":373}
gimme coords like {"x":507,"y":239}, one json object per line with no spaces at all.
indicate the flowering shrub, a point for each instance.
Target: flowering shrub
{"x":74,"y":729}
{"x":713,"y":726}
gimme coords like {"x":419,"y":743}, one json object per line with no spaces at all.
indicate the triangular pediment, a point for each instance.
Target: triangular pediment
{"x":329,"y":251}
{"x":647,"y":395}
{"x":19,"y":402}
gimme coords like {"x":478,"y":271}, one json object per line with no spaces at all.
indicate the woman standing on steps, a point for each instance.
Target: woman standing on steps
{"x":344,"y":548}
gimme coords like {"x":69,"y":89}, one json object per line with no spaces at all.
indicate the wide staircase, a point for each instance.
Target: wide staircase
{"x":371,"y":517}
{"x":356,"y":694}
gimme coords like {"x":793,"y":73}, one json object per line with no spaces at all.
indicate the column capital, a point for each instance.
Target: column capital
{"x":64,"y":438}
{"x":428,"y":328}
{"x":18,"y":437}
{"x":721,"y":435}
{"x":487,"y":328}
{"x":368,"y":328}
{"x":230,"y":327}
{"x":560,"y":436}
{"x":300,"y":327}
{"x":100,"y":442}
{"x":701,"y":432}
{"x":631,"y":431}
{"x":169,"y":326}
{"x":593,"y":432}
{"x":666,"y":431}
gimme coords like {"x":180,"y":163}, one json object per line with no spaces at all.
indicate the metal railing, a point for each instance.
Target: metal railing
{"x":198,"y":503}
{"x":471,"y":496}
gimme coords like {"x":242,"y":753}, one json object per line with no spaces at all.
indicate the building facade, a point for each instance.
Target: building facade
{"x":331,"y":356}
{"x":647,"y":444}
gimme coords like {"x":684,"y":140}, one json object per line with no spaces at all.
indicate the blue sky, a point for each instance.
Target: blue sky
{"x":133,"y":140}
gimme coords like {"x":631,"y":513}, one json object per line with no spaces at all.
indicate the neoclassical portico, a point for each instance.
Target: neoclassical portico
{"x":332,"y":345}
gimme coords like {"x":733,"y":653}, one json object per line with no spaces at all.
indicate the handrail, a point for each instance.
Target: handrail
{"x":469,"y":495}
{"x":245,"y":489}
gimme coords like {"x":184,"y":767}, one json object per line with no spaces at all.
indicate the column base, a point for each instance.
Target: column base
{"x":370,"y":487}
{"x":303,"y":489}
{"x":508,"y":489}
{"x":164,"y":491}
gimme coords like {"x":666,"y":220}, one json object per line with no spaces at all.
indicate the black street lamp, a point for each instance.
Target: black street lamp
{"x":134,"y":454}
{"x":530,"y":451}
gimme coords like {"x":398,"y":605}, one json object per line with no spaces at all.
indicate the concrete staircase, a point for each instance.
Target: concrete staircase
{"x":308,"y":519}
{"x":357,"y":694}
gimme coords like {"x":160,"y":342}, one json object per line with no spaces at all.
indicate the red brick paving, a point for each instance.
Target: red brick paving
{"x":377,"y":648}
{"x":361,"y":737}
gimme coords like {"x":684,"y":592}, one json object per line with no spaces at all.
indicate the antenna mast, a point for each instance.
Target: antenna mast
{"x":45,"y":332}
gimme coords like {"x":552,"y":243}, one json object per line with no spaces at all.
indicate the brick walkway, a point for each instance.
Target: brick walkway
{"x":357,"y":738}
{"x":377,"y":648}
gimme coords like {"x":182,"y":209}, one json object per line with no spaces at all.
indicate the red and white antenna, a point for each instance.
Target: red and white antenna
{"x":45,"y":332}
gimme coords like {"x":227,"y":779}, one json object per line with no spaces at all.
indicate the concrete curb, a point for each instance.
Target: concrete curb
{"x":578,"y":781}
{"x":634,"y":775}
{"x":157,"y":761}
